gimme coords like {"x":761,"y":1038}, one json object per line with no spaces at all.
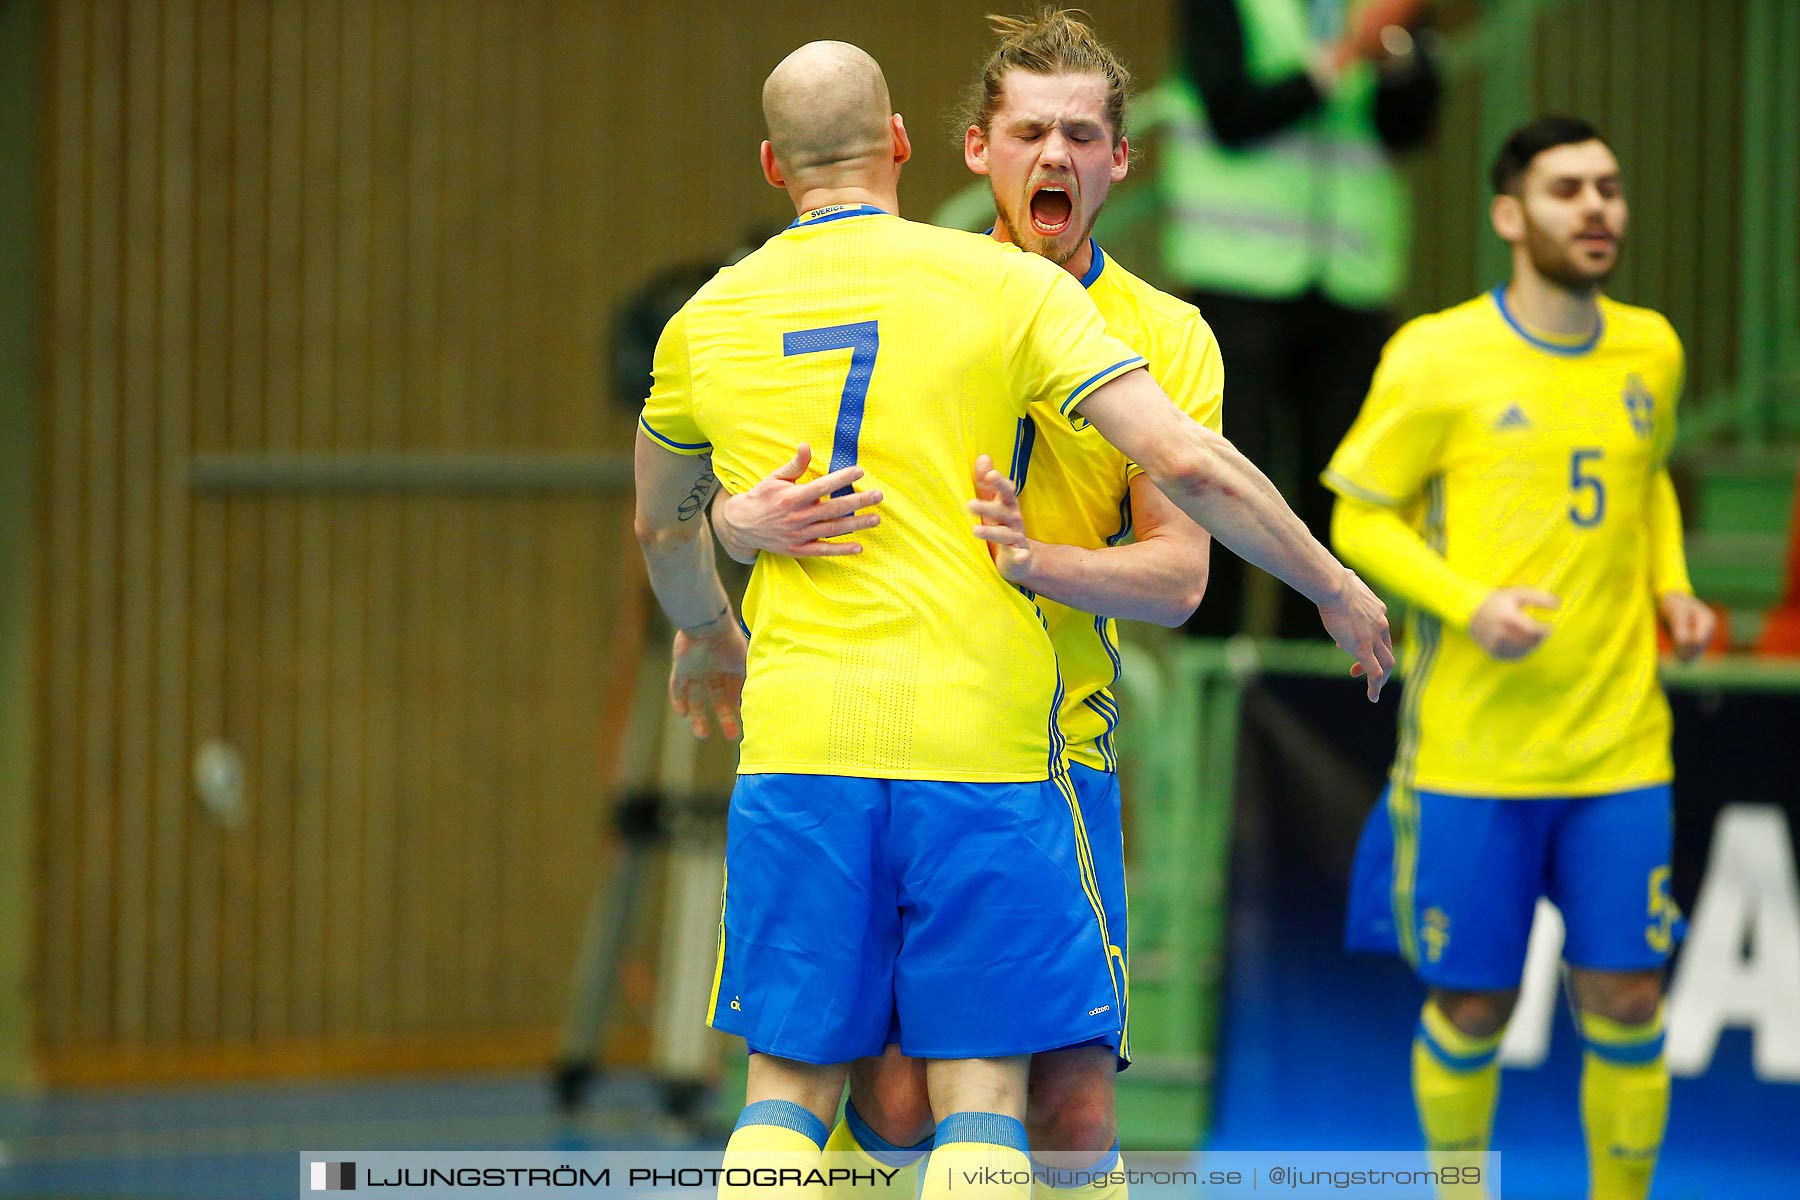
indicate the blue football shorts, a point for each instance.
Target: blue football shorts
{"x":968,"y":914}
{"x":1451,"y":882}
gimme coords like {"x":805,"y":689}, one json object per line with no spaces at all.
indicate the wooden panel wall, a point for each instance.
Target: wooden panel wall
{"x":330,"y":228}
{"x":19,"y":70}
{"x":353,"y":227}
{"x":1662,"y":79}
{"x":1668,"y":94}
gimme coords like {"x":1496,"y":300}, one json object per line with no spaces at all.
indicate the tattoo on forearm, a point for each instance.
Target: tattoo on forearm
{"x":695,"y":503}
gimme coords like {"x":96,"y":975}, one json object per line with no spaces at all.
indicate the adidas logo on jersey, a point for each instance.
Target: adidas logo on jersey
{"x":1513,"y":418}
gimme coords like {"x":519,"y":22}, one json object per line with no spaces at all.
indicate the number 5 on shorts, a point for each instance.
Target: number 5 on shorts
{"x":1664,"y":912}
{"x":863,"y":340}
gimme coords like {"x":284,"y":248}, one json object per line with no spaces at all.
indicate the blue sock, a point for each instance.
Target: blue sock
{"x":978,"y":1145}
{"x":878,"y":1147}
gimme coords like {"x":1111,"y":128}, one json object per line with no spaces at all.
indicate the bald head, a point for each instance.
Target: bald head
{"x":827,"y":106}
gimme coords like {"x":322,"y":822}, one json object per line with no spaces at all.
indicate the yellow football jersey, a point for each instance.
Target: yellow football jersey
{"x":1074,"y":487}
{"x":1527,"y":462}
{"x":910,"y":350}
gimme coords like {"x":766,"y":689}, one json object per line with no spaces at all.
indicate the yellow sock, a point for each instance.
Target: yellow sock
{"x":978,"y":1156}
{"x":1456,"y":1084}
{"x":882,"y":1169}
{"x":773,"y":1136}
{"x":1624,"y":1104}
{"x":1051,"y":1183}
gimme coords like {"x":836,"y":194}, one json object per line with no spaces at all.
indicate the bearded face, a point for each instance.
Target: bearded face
{"x":1050,"y":157}
{"x":1572,"y":215}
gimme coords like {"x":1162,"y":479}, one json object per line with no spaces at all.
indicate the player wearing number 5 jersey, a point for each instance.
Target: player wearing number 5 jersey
{"x":902,"y":837}
{"x":1507,"y":478}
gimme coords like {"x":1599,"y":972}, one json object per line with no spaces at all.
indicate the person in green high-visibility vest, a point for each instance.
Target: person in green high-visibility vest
{"x":1286,"y":224}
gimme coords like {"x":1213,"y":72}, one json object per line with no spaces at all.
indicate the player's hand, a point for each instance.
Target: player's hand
{"x":707,"y":673}
{"x":1002,"y":523}
{"x":1503,"y":628}
{"x":1691,"y":623}
{"x":1357,"y":621}
{"x":784,"y":516}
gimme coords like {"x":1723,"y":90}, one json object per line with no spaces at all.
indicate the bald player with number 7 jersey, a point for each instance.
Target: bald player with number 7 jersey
{"x":1074,"y":523}
{"x":901,"y":841}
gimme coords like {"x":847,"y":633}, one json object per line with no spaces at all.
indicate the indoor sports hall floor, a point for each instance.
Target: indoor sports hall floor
{"x":242,"y":1142}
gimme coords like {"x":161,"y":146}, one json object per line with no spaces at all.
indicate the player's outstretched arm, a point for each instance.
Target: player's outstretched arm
{"x":1159,"y":578}
{"x":1223,"y":492}
{"x":710,"y":650}
{"x":785,"y":516}
{"x":1376,"y":541}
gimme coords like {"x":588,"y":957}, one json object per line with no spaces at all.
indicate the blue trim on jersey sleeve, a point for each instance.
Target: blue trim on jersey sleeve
{"x":1097,"y":266}
{"x":1573,"y":350}
{"x":671,"y":443}
{"x":1075,"y":397}
{"x":1023,"y":441}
